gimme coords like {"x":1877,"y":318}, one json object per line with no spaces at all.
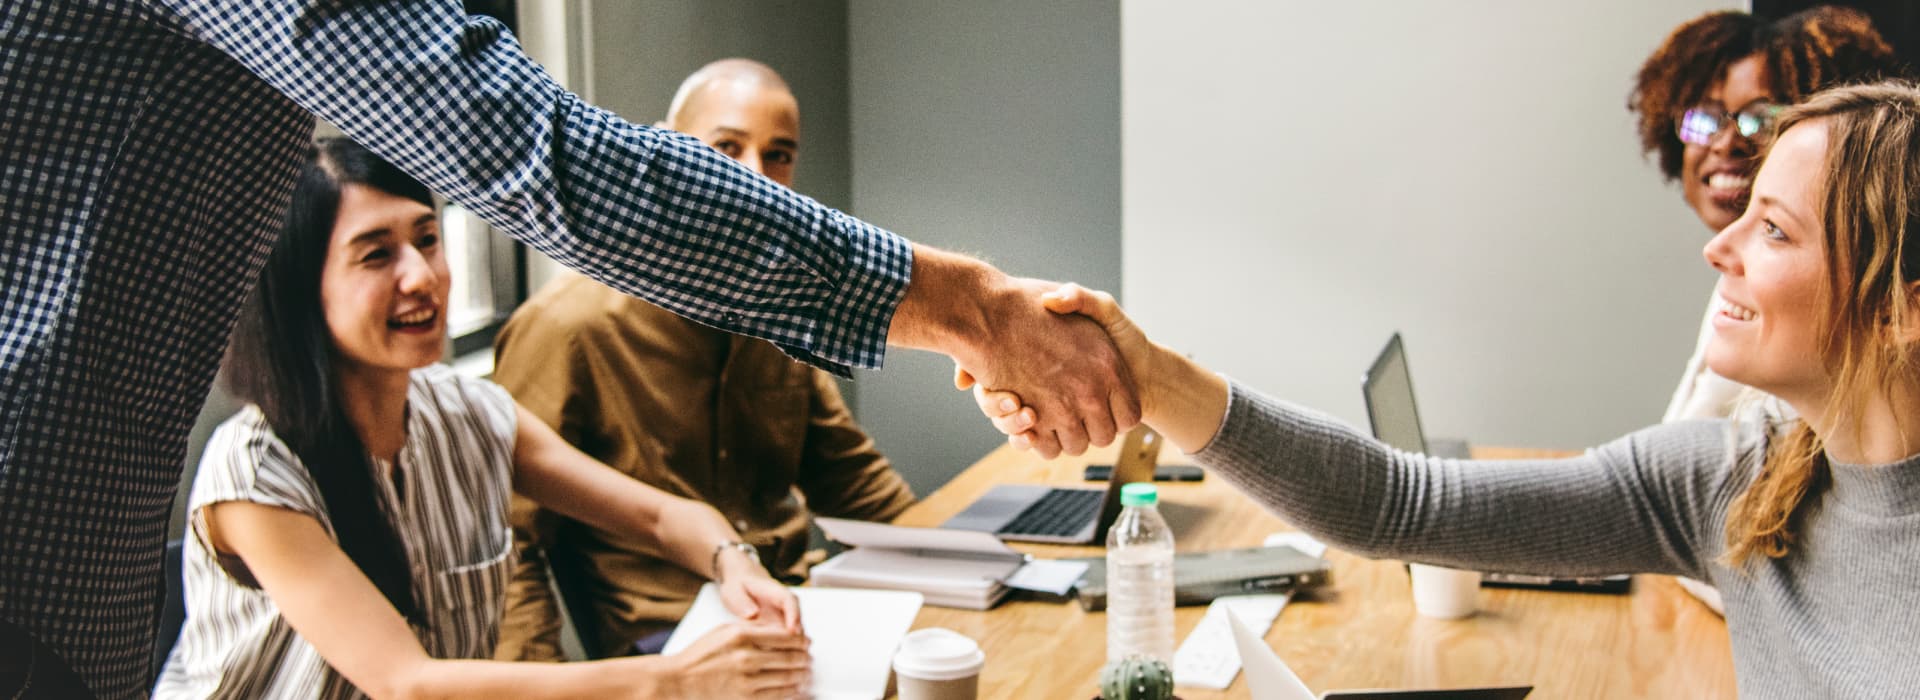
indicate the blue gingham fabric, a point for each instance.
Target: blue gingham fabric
{"x":147,"y":149}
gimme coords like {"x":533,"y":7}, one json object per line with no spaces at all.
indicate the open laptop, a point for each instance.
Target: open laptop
{"x":1395,"y":419}
{"x":1035,"y":513}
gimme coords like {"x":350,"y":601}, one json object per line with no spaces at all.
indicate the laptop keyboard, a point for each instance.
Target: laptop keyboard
{"x":1060,"y":513}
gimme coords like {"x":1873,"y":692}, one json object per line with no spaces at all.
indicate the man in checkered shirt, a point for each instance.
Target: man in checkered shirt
{"x":148,"y":148}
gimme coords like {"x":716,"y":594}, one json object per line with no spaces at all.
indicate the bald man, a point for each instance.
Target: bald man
{"x":716,"y":417}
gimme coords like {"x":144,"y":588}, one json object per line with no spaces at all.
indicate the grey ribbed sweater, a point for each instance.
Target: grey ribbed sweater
{"x":1839,"y":617}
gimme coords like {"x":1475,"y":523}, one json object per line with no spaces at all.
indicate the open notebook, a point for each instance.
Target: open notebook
{"x":853,"y":634}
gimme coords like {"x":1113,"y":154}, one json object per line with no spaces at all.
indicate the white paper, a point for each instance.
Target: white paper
{"x":892,"y":568}
{"x":1047,"y":575}
{"x":856,"y":533}
{"x":1297,"y":540}
{"x":853,"y":632}
{"x":1208,"y":658}
{"x":1268,"y":678}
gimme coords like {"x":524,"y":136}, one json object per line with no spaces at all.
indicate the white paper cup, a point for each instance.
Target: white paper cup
{"x":938,"y":664}
{"x":1443,"y":593}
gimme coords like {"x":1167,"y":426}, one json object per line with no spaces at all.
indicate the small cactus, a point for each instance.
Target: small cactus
{"x":1136,"y":678}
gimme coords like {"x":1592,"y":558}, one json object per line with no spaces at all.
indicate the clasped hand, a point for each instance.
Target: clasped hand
{"x":1021,"y":421}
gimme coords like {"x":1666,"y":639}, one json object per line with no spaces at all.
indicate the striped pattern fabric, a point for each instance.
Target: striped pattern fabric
{"x":450,"y":511}
{"x":147,"y":149}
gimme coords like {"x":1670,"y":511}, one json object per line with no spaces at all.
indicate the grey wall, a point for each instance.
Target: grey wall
{"x":630,"y":55}
{"x":641,"y":49}
{"x":989,"y":127}
{"x":1304,"y":177}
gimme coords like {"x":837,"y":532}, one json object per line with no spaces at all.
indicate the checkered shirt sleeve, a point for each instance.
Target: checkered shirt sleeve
{"x":147,"y":149}
{"x":659,"y":215}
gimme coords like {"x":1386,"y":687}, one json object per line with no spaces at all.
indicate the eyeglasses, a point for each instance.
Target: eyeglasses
{"x":1699,"y":125}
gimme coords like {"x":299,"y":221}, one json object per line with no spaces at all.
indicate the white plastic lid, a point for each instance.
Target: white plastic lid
{"x":938,"y":654}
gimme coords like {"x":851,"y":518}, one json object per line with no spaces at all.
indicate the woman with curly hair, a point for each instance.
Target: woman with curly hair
{"x":1709,"y":93}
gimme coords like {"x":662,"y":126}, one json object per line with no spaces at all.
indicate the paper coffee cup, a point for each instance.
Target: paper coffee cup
{"x":938,"y":664}
{"x":1443,"y":593}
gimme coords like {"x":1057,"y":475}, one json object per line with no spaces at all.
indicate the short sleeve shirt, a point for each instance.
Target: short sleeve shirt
{"x":449,"y":510}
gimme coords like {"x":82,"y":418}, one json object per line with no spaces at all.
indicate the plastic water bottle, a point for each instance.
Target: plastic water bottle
{"x":1140,"y":578}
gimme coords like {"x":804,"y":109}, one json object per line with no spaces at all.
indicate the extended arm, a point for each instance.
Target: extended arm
{"x":1644,"y":503}
{"x":453,"y":101}
{"x":1647,"y":502}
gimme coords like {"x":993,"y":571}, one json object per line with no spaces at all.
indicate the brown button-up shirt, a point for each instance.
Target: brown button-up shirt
{"x":696,"y":412}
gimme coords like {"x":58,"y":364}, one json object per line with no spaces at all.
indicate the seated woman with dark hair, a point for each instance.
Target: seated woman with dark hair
{"x":1810,"y":526}
{"x":349,"y":527}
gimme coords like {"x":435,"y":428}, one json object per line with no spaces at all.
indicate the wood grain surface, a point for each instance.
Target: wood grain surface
{"x":1361,"y":632}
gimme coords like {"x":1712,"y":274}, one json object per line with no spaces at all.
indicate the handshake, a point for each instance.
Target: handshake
{"x":1084,"y":392}
{"x":1056,"y":367}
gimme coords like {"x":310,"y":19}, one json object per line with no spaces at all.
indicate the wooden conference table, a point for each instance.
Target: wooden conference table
{"x":1362,"y":633}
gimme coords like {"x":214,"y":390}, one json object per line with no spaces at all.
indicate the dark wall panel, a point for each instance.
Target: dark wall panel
{"x":1898,"y":20}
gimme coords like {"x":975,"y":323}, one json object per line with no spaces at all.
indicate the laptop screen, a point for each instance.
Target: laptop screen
{"x":1388,"y":387}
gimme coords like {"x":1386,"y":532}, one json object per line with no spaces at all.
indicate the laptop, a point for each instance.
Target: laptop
{"x":1035,"y":513}
{"x":1391,"y":412}
{"x":1395,"y":419}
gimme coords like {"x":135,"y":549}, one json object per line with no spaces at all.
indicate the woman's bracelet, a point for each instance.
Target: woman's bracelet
{"x":752,"y":554}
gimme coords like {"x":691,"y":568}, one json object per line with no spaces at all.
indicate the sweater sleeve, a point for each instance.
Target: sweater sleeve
{"x":1650,"y":502}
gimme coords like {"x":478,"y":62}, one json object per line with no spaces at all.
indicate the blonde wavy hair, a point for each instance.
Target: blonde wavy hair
{"x":1870,"y":209}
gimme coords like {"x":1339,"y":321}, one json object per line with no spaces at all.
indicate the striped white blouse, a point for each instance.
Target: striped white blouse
{"x":456,"y":471}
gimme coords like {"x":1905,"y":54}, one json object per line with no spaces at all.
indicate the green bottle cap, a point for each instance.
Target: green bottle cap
{"x":1139,"y":494}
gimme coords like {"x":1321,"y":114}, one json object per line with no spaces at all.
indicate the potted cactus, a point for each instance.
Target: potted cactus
{"x":1136,"y":678}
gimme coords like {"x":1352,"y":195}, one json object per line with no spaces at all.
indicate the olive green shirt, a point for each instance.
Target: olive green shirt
{"x":696,"y":412}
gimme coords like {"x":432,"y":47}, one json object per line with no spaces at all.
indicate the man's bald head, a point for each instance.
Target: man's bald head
{"x":743,"y":109}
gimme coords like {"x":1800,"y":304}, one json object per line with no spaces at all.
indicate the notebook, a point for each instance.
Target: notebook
{"x":1033,"y":513}
{"x":953,"y":569}
{"x":853,"y":634}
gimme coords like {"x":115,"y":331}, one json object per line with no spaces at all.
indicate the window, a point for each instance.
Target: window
{"x":489,"y":278}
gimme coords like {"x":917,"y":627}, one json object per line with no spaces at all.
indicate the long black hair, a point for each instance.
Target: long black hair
{"x":282,"y":359}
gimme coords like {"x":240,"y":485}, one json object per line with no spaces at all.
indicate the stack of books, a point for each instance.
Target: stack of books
{"x":951,"y":568}
{"x":948,"y":582}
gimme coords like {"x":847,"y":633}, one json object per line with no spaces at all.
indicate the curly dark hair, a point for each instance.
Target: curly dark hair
{"x":1805,"y":52}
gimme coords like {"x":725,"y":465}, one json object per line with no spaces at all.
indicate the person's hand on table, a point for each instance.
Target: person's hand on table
{"x":742,"y":660}
{"x":752,"y":595}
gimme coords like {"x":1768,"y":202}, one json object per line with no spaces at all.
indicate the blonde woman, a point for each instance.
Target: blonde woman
{"x":1810,"y":528}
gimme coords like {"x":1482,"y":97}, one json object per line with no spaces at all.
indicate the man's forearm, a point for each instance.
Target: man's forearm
{"x":997,"y":331}
{"x":943,"y":309}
